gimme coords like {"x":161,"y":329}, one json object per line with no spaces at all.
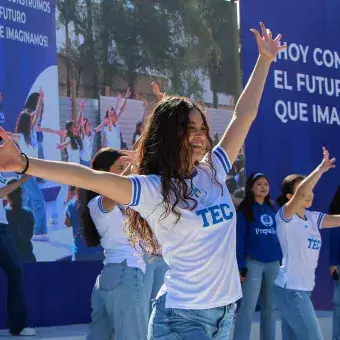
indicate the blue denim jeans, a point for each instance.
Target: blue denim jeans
{"x":190,"y":324}
{"x":336,"y":310}
{"x":41,"y":150}
{"x":258,"y":284}
{"x":298,"y":318}
{"x":119,"y":308}
{"x":154,"y":277}
{"x":10,"y":263}
{"x":36,"y":202}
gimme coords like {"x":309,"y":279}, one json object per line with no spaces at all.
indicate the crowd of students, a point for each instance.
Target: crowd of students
{"x":164,"y":221}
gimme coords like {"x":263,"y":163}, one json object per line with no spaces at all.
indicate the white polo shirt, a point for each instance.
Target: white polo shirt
{"x":300,"y":242}
{"x":73,"y":155}
{"x":86,"y":153}
{"x":112,"y":137}
{"x":3,"y":218}
{"x":113,"y":239}
{"x":200,"y":248}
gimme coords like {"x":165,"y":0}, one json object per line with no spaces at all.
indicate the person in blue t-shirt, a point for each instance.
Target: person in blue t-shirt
{"x":258,"y":256}
{"x":81,"y":252}
{"x":334,"y":268}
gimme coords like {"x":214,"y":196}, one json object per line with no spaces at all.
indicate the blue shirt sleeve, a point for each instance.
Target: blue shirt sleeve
{"x":241,"y":235}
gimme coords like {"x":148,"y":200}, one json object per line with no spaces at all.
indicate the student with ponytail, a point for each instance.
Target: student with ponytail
{"x":299,"y":236}
{"x":119,"y":306}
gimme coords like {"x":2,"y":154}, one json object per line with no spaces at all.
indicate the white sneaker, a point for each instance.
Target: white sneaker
{"x":27,"y":332}
{"x":41,"y":238}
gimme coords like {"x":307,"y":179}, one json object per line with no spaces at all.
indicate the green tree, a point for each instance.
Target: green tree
{"x":224,"y":69}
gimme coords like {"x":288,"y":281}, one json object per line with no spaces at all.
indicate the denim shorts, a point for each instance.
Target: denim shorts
{"x":190,"y":324}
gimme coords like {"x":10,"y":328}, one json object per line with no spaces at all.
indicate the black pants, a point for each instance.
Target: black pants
{"x":10,"y":263}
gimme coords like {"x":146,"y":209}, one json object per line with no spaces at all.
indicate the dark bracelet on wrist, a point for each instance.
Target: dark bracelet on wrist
{"x":26,"y":166}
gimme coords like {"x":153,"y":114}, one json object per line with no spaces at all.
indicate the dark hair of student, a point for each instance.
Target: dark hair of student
{"x":246,"y":206}
{"x":287,"y":187}
{"x":165,"y":151}
{"x":24,"y":125}
{"x":15,"y":198}
{"x":334,"y":208}
{"x":137,"y":132}
{"x":76,"y":141}
{"x":103,"y":160}
{"x":32,"y":102}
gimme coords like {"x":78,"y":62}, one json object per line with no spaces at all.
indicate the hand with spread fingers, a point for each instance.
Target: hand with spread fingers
{"x":268,"y":47}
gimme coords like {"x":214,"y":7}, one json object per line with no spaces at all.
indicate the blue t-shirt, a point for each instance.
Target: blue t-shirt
{"x":79,"y":246}
{"x":258,"y":239}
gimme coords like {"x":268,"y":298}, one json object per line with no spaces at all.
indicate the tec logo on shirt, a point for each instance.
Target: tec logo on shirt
{"x":200,"y":195}
{"x":215,"y":214}
{"x":314,"y":244}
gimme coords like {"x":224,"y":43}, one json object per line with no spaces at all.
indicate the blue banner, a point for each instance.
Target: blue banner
{"x":28,"y":63}
{"x":300,"y":107}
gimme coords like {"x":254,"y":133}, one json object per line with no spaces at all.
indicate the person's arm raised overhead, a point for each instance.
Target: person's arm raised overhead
{"x":248,"y":103}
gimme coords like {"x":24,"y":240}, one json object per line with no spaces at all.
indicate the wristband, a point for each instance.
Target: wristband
{"x":26,"y":166}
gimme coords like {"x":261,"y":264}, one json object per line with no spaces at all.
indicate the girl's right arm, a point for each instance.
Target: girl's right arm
{"x":100,"y":126}
{"x":117,"y":188}
{"x":306,"y":187}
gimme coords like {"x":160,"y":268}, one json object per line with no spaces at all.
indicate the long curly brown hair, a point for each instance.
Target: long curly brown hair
{"x":164,"y":150}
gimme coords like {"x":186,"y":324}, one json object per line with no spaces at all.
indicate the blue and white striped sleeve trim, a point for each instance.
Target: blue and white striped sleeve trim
{"x":320,"y":220}
{"x":100,"y":205}
{"x":136,"y":191}
{"x":220,"y":153}
{"x":283,"y":217}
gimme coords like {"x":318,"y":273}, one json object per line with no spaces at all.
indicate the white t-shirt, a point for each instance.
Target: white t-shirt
{"x":112,"y":137}
{"x":113,"y":239}
{"x":73,"y":155}
{"x":300,"y":242}
{"x":201,"y":248}
{"x":86,"y":153}
{"x":3,"y":218}
{"x":31,"y":150}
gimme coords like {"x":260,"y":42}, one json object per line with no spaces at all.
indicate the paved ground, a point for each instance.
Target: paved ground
{"x":77,"y":332}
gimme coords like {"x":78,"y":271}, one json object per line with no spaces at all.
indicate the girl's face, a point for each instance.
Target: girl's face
{"x":74,"y":129}
{"x":87,"y":127}
{"x":308,"y":200}
{"x":261,"y":188}
{"x":119,"y":166}
{"x":197,"y":136}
